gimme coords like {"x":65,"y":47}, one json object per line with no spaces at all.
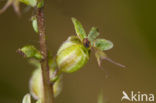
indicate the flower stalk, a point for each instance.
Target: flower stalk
{"x":47,"y":86}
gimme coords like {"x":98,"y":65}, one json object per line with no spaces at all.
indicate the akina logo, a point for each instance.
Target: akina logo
{"x":137,"y":97}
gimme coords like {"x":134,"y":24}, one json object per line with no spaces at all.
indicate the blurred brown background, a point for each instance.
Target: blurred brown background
{"x":129,"y":24}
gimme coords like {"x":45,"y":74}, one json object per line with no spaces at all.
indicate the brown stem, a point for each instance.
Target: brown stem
{"x":47,"y":86}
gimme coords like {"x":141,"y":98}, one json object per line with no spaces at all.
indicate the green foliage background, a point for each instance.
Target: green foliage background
{"x":129,"y":24}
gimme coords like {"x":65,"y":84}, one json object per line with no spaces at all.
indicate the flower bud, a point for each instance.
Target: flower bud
{"x":72,"y":55}
{"x":36,"y":85}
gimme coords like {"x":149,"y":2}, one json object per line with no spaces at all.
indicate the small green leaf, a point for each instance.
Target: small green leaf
{"x":58,"y":84}
{"x":93,"y":34}
{"x":30,"y":51}
{"x":53,"y":66}
{"x":26,"y":98}
{"x":79,"y":29}
{"x":31,"y":3}
{"x":34,"y":24}
{"x":40,"y":4}
{"x":103,"y":44}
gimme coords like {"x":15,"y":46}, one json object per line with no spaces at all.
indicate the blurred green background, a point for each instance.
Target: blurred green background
{"x":129,"y":24}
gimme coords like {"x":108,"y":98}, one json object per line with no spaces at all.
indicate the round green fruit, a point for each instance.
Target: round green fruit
{"x":36,"y":85}
{"x":72,"y":55}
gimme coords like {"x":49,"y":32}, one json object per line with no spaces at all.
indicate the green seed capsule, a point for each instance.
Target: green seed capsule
{"x":36,"y":86}
{"x":72,"y":55}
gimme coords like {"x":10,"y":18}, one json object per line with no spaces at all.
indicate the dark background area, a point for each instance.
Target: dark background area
{"x":129,"y":24}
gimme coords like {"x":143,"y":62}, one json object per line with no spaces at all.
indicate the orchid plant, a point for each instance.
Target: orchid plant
{"x":46,"y":80}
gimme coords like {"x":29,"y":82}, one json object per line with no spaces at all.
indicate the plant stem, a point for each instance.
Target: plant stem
{"x":47,"y":86}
